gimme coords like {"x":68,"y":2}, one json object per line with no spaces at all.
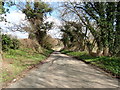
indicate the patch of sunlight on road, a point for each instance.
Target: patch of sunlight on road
{"x":57,"y":48}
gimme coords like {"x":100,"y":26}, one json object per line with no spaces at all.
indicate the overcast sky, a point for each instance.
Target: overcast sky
{"x":16,"y":17}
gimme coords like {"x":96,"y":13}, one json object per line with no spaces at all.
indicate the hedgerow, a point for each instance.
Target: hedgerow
{"x":9,"y":43}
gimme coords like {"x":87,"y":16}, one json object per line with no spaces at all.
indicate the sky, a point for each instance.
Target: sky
{"x":16,"y":16}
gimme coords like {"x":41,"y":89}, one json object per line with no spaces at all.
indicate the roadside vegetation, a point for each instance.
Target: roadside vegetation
{"x":17,"y":61}
{"x":19,"y":56}
{"x":109,"y":64}
{"x":95,"y":27}
{"x":91,"y":32}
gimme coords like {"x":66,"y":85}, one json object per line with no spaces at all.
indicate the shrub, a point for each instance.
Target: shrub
{"x":15,"y":44}
{"x":6,"y":41}
{"x":9,"y":43}
{"x":32,"y":44}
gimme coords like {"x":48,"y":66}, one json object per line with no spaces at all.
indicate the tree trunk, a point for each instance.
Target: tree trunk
{"x":99,"y":52}
{"x":106,"y":51}
{"x":40,"y":36}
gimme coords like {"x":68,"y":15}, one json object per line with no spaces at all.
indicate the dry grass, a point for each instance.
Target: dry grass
{"x":28,"y":43}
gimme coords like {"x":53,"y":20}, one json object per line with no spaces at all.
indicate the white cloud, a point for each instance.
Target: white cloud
{"x":17,"y":34}
{"x":55,"y":31}
{"x":56,"y":21}
{"x":14,"y":17}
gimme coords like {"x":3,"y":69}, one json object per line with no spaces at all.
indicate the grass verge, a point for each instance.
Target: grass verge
{"x":109,"y":64}
{"x":16,"y":61}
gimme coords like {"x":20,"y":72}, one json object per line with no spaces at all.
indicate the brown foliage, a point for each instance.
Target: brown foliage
{"x":32,"y":44}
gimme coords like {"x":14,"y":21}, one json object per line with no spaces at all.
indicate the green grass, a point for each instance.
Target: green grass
{"x":19,"y":60}
{"x":47,"y":52}
{"x":111,"y":64}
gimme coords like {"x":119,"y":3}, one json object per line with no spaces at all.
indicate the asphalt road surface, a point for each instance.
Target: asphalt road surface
{"x":62,"y":71}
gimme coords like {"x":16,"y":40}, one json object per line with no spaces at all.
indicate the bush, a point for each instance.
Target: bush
{"x":32,"y":44}
{"x":15,"y":44}
{"x":9,"y":43}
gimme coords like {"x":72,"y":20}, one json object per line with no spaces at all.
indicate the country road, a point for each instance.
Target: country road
{"x":62,"y":71}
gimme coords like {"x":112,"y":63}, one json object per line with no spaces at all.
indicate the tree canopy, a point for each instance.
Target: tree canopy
{"x":101,"y":20}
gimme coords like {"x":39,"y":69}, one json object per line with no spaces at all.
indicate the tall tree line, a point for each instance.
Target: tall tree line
{"x":102,"y":20}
